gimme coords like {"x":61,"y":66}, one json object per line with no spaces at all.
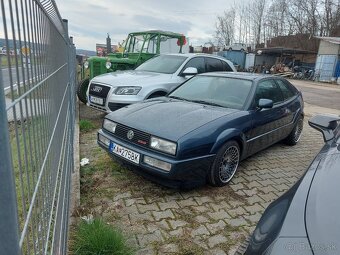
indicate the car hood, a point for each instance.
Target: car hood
{"x":323,"y":207}
{"x":131,"y":77}
{"x":168,"y":118}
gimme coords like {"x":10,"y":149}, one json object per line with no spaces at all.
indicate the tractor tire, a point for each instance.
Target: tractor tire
{"x":81,"y":90}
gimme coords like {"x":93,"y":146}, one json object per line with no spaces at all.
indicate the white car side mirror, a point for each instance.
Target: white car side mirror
{"x":190,"y":71}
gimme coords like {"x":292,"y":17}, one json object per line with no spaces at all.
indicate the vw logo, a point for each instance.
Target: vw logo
{"x":130,"y":134}
{"x":97,"y":89}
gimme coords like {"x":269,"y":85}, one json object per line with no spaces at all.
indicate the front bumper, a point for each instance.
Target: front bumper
{"x":186,"y":173}
{"x":112,"y":105}
{"x":111,"y":101}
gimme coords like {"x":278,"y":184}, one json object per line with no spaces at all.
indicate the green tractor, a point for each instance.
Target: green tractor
{"x":138,"y":48}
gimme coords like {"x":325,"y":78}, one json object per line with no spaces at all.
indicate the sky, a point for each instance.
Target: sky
{"x":90,"y":20}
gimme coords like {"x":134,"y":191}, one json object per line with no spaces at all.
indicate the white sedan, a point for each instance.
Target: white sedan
{"x":154,"y":78}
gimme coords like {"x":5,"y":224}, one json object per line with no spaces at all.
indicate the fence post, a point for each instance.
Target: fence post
{"x":9,"y":232}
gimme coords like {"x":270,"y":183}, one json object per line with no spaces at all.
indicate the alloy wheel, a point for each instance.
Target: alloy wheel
{"x":229,"y":163}
{"x":298,"y":130}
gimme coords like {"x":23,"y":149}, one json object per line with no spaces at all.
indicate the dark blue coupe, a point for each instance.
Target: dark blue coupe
{"x":202,"y":129}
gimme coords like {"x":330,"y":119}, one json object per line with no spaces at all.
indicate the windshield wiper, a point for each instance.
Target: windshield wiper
{"x":179,"y":98}
{"x":206,"y":102}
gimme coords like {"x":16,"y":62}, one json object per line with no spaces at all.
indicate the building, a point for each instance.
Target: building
{"x":327,"y":67}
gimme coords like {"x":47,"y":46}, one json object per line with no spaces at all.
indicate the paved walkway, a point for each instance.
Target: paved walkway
{"x":203,"y":221}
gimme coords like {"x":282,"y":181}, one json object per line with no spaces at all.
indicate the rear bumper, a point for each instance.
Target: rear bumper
{"x":185,"y":173}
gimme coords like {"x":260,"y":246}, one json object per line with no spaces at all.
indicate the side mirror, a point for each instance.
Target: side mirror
{"x":190,"y":71}
{"x":265,"y":103}
{"x":325,"y":124}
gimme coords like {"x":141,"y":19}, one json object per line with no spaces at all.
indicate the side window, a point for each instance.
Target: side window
{"x":286,"y":92}
{"x":291,"y":87}
{"x":151,"y":46}
{"x":197,"y":63}
{"x":213,"y":65}
{"x":226,"y":67}
{"x":268,"y":90}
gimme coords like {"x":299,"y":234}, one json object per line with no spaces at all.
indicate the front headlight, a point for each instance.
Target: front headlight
{"x":132,"y":90}
{"x":163,"y":145}
{"x":109,"y":125}
{"x":108,"y":65}
{"x":86,"y":64}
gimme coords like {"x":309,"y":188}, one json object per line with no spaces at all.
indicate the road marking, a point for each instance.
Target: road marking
{"x":15,"y":85}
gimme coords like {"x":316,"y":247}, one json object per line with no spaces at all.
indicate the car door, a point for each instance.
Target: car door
{"x":266,"y":122}
{"x":293,"y":106}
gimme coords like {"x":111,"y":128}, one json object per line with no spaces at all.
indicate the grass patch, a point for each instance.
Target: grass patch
{"x":98,"y":238}
{"x":86,"y":125}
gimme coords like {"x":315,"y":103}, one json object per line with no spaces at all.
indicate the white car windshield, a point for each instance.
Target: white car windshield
{"x":218,"y":91}
{"x":162,"y":64}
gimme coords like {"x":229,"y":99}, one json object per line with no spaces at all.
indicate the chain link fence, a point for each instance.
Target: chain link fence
{"x":37,"y":116}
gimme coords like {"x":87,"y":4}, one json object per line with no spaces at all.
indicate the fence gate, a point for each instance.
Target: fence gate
{"x":37,"y":116}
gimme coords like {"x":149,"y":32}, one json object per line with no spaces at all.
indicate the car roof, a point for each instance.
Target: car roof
{"x":190,"y":55}
{"x":157,"y":32}
{"x":240,"y":75}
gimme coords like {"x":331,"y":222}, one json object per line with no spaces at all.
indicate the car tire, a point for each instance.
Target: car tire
{"x":81,"y":90}
{"x":294,"y":136}
{"x":225,"y":164}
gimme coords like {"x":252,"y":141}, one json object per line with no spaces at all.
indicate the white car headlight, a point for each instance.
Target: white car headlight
{"x":163,"y":145}
{"x":108,"y":65}
{"x":131,"y":90}
{"x":86,"y":64}
{"x":109,"y":125}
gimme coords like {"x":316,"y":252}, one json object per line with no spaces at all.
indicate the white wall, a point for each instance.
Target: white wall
{"x":327,"y":48}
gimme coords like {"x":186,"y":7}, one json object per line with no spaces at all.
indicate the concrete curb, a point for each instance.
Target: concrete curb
{"x":75,"y":177}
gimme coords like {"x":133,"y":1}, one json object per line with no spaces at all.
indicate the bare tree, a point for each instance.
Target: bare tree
{"x":276,"y":18}
{"x":259,"y":20}
{"x":331,"y":17}
{"x":258,"y":10}
{"x":225,"y":28}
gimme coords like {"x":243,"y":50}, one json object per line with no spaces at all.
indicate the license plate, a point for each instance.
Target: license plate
{"x":96,"y":100}
{"x":125,"y":153}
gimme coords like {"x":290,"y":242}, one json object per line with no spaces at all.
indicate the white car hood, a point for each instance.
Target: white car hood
{"x":131,"y":78}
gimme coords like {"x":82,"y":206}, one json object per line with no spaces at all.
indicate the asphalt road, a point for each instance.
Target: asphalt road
{"x":319,"y":95}
{"x":6,"y":76}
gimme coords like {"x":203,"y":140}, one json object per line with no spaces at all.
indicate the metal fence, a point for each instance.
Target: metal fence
{"x":37,"y":116}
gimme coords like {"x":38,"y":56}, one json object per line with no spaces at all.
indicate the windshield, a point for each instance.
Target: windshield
{"x":219,"y":91}
{"x":162,"y":64}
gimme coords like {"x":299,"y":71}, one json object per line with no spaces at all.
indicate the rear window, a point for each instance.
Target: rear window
{"x":226,"y":67}
{"x":213,"y":65}
{"x":286,"y":91}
